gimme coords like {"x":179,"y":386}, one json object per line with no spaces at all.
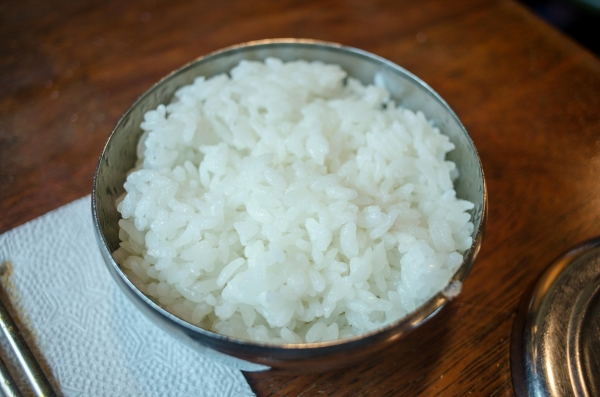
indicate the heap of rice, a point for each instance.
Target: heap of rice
{"x":289,"y":203}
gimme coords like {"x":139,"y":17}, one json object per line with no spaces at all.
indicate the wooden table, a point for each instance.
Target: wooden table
{"x":529,"y":97}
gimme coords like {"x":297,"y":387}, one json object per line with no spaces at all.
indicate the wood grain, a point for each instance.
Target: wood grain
{"x":529,"y":97}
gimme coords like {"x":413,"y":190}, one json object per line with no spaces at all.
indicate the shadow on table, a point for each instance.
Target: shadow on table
{"x":579,"y":19}
{"x":409,"y":366}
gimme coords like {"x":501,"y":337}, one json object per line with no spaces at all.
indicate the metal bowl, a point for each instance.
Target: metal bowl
{"x":119,"y":156}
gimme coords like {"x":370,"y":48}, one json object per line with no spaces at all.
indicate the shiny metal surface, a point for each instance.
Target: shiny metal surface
{"x":555,"y":348}
{"x":8,"y":386}
{"x":31,"y":368}
{"x":119,"y":156}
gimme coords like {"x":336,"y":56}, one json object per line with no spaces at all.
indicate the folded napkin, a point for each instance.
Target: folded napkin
{"x":91,"y":339}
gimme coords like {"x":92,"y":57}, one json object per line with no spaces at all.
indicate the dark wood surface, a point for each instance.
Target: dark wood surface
{"x":529,"y":97}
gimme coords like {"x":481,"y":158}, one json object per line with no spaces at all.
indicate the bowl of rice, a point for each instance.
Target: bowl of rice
{"x":289,"y":205}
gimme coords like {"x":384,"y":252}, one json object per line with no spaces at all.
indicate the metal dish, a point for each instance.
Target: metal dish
{"x":556,"y":334}
{"x":120,"y":153}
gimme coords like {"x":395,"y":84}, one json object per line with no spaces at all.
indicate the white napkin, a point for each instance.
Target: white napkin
{"x":93,"y":339}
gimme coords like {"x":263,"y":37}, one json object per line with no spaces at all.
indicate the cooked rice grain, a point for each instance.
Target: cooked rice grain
{"x":287,"y":202}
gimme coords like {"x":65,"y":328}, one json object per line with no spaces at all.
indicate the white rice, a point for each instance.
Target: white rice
{"x":289,"y":203}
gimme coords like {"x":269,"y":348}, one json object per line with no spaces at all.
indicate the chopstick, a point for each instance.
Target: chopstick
{"x":33,"y":372}
{"x":8,"y":386}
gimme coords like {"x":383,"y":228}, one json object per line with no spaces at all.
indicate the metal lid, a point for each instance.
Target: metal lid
{"x":555,"y":347}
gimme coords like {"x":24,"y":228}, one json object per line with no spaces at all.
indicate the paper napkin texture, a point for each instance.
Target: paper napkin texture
{"x":92,"y":339}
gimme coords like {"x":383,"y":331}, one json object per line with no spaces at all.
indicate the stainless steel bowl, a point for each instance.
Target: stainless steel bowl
{"x":119,"y":156}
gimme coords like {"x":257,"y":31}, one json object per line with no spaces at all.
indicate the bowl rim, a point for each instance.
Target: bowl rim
{"x":408,"y":322}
